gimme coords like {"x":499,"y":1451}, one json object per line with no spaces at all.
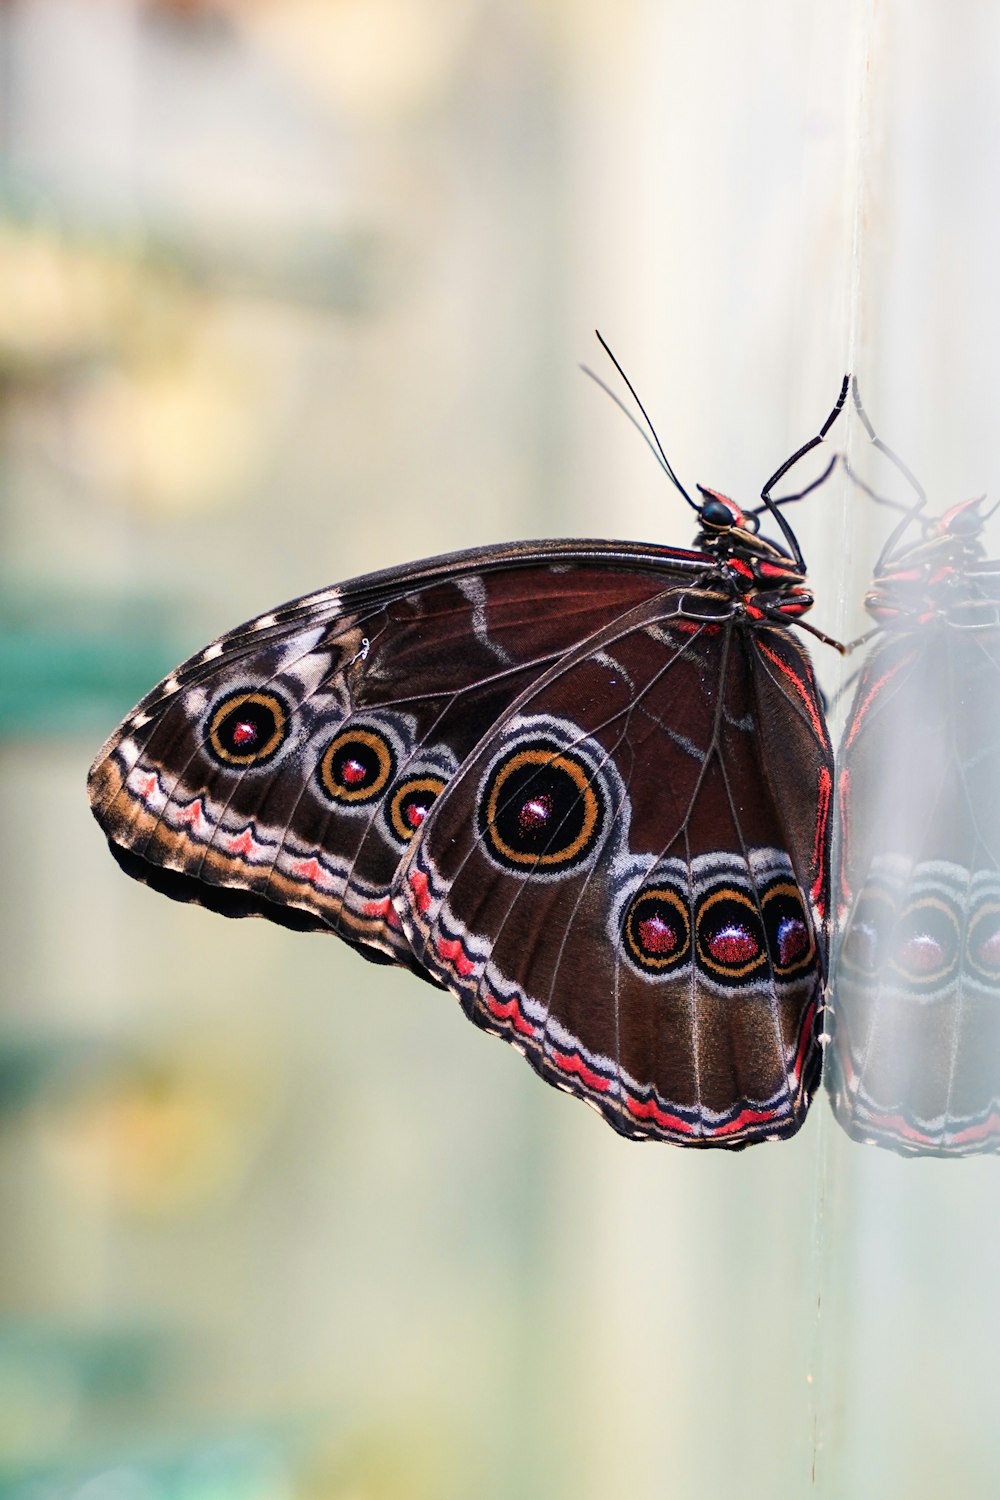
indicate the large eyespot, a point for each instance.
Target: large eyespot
{"x":789,"y":932}
{"x":411,"y":801}
{"x":541,"y":808}
{"x":657,"y":929}
{"x":983,"y":941}
{"x":730,"y":937}
{"x":926,"y":942}
{"x":357,"y":766}
{"x":248,"y":729}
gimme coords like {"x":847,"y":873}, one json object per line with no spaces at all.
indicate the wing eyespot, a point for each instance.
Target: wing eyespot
{"x":411,"y":801}
{"x":729,"y":937}
{"x":541,"y":808}
{"x":356,"y":766}
{"x":657,"y":929}
{"x":247,"y":729}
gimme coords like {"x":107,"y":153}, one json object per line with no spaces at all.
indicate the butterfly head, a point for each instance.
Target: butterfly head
{"x":718,"y":514}
{"x":731,"y":534}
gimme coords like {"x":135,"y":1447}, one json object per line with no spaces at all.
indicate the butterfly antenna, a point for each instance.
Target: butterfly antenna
{"x":658,"y":450}
{"x":630,"y":415}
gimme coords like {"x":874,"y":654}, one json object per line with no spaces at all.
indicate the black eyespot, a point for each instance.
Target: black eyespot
{"x":410,"y":803}
{"x":541,"y":809}
{"x":248,"y":729}
{"x":657,"y":929}
{"x":731,"y":944}
{"x":867,"y":937}
{"x":789,"y":932}
{"x":357,"y":766}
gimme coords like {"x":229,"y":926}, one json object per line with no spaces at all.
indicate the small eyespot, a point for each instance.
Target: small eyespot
{"x":926,"y":943}
{"x":411,"y":801}
{"x":983,"y":941}
{"x":657,"y":929}
{"x":248,"y":729}
{"x":357,"y":766}
{"x":730,"y":937}
{"x":789,"y":932}
{"x":868,"y":933}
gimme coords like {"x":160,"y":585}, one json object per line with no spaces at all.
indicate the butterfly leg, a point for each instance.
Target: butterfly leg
{"x":801,"y":494}
{"x":893,"y":458}
{"x":778,"y":615}
{"x":779,"y":473}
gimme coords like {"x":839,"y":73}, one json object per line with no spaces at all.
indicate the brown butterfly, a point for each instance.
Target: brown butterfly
{"x":584,"y":785}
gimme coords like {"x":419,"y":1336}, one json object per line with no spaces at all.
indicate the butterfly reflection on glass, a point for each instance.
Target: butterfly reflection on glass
{"x":584,"y":785}
{"x":915,"y":1060}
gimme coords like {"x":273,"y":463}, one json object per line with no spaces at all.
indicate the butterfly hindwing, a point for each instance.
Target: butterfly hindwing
{"x":614,"y":883}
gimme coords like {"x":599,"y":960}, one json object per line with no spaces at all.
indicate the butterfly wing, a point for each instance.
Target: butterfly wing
{"x":566,"y":781}
{"x":626,"y":879}
{"x":915,"y":1064}
{"x":282,"y":771}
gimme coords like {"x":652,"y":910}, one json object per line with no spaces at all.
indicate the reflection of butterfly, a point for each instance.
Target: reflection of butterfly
{"x":915,"y":1063}
{"x":583,"y":785}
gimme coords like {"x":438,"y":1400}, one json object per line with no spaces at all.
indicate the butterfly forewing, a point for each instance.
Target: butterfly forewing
{"x":283,"y":770}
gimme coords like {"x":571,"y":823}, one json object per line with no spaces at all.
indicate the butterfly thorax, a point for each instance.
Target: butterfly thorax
{"x":763,"y":580}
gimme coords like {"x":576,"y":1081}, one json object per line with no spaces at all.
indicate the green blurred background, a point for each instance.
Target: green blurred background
{"x":295,"y":289}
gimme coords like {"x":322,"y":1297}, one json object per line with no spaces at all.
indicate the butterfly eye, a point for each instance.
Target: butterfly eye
{"x":541,"y":808}
{"x":248,"y":729}
{"x":658,"y":930}
{"x":411,"y":802}
{"x":731,"y":943}
{"x":716,"y":513}
{"x":357,"y":766}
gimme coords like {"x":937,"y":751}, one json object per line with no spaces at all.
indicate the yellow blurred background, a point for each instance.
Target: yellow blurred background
{"x":295,"y":289}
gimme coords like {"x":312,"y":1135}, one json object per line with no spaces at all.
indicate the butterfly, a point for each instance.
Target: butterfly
{"x":583,"y":785}
{"x":915,"y":1015}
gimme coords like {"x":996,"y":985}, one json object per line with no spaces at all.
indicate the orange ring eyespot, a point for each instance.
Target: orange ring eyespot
{"x":657,"y":930}
{"x":410,"y":803}
{"x":926,"y":942}
{"x":540,"y":809}
{"x":731,"y":944}
{"x":357,"y":766}
{"x":983,"y":940}
{"x":790,"y":938}
{"x":248,"y":728}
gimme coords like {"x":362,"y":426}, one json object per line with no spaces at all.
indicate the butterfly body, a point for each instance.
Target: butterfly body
{"x":582,"y":785}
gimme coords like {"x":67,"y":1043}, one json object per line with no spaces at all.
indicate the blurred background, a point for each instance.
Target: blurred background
{"x":295,"y":289}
